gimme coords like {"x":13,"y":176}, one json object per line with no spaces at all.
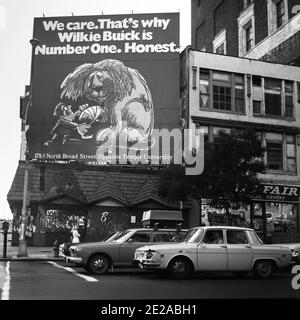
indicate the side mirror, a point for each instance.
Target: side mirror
{"x":130,"y":240}
{"x":201,"y":244}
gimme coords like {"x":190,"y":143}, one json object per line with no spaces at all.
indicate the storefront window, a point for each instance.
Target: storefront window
{"x":281,"y":220}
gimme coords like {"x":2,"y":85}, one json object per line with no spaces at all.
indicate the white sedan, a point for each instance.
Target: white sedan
{"x":215,"y":248}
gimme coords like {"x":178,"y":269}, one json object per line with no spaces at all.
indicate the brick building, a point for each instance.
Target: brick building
{"x":258,"y":29}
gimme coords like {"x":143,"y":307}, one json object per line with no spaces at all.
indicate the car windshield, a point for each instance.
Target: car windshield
{"x":112,"y":237}
{"x":193,"y":235}
{"x":120,"y":236}
{"x":256,"y":239}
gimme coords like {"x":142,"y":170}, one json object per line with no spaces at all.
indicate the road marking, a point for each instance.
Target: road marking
{"x":6,"y":285}
{"x":87,"y":278}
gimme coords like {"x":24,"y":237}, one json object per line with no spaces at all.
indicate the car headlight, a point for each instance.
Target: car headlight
{"x":294,"y":253}
{"x":148,"y":254}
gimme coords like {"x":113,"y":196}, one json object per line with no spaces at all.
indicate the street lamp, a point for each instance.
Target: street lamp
{"x":22,"y":240}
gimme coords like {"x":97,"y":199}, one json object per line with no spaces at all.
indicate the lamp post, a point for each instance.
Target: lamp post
{"x":22,"y":240}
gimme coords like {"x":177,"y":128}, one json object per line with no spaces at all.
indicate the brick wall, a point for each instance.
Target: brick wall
{"x":211,"y":17}
{"x":287,"y":52}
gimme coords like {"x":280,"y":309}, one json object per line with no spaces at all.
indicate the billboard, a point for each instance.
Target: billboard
{"x":97,"y":78}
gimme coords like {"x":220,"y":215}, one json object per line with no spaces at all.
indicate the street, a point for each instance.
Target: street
{"x":48,"y":280}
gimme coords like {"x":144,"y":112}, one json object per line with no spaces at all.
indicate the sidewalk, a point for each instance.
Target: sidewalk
{"x":34,"y":254}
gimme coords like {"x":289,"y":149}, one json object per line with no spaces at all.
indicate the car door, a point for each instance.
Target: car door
{"x":212,"y":252}
{"x":127,"y":249}
{"x":240,"y":251}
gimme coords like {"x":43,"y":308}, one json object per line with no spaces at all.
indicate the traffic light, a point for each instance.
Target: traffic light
{"x":5,"y":226}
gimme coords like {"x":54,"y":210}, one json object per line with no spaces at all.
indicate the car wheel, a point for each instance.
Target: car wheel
{"x":263,"y":269}
{"x":98,"y":264}
{"x":179,"y":268}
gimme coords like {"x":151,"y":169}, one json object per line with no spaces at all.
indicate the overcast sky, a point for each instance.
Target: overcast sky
{"x":16,"y":26}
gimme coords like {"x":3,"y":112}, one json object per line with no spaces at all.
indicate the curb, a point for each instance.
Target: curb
{"x":30,"y":259}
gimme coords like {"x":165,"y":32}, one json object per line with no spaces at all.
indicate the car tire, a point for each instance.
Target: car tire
{"x":263,"y":269}
{"x":179,"y":268}
{"x":98,"y":264}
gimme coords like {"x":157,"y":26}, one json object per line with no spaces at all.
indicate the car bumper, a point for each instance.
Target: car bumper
{"x":146,"y":264}
{"x":76,"y":260}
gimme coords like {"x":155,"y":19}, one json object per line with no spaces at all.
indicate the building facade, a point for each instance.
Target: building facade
{"x":99,"y":200}
{"x":224,"y":92}
{"x":259,"y":29}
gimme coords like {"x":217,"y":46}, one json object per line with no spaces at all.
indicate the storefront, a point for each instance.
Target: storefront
{"x":274,"y":214}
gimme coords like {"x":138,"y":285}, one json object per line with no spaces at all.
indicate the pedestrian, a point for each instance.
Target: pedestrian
{"x":75,"y":235}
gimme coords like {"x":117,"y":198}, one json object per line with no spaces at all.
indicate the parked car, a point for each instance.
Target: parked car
{"x":99,"y":257}
{"x":295,"y":249}
{"x":215,"y":248}
{"x":64,"y":248}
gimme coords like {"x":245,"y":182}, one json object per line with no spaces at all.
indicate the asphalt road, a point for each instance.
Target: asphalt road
{"x":42,"y":280}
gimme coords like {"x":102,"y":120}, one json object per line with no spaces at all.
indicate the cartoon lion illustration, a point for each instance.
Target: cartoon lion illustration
{"x":105,"y":92}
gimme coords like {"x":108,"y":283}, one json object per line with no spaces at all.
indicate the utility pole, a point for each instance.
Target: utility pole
{"x":22,"y":240}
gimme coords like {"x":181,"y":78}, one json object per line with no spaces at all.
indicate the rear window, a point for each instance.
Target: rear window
{"x":162,"y":237}
{"x":140,"y":237}
{"x":236,"y":237}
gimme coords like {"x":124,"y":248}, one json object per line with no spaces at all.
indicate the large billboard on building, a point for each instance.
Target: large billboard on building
{"x":97,"y":78}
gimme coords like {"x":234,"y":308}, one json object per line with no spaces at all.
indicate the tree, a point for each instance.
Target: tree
{"x":230,"y":176}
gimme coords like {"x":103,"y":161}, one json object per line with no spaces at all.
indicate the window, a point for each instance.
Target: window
{"x":239,"y":93}
{"x":222,"y":91}
{"x":281,"y":152}
{"x":291,"y":153}
{"x":289,"y":103}
{"x":273,"y":97}
{"x":277,"y":14}
{"x":162,"y":237}
{"x":246,"y":27}
{"x":221,"y":49}
{"x":204,"y":88}
{"x":274,"y":142}
{"x":236,"y":237}
{"x":274,"y":155}
{"x":213,"y":237}
{"x":140,"y":237}
{"x":257,"y":94}
{"x":219,"y":43}
{"x":248,"y":36}
{"x":280,"y":13}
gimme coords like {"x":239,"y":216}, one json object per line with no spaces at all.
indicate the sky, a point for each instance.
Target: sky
{"x":16,"y":27}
